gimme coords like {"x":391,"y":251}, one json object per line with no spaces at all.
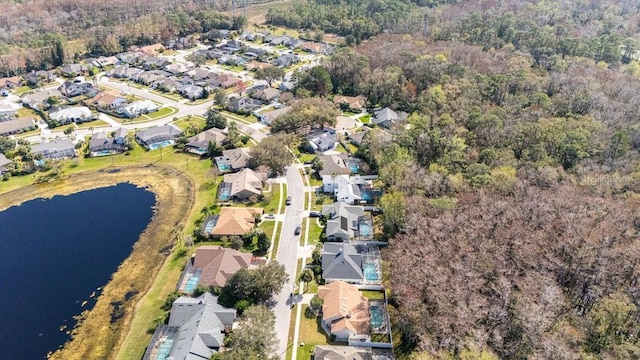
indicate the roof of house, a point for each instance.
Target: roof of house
{"x":244,"y":180}
{"x":4,"y":161}
{"x":346,"y":306}
{"x":80,"y":112}
{"x":237,"y":157}
{"x":342,"y":261}
{"x":140,"y":106}
{"x":322,"y":140}
{"x":235,"y":221}
{"x":41,"y":95}
{"x":158,"y":133}
{"x":197,"y":326}
{"x":10,"y":126}
{"x":7,"y":80}
{"x":266,"y":94}
{"x":334,"y":164}
{"x":253,"y":64}
{"x":101,"y":141}
{"x":218,"y":264}
{"x":333,"y":352}
{"x":203,"y":139}
{"x":106,"y":98}
{"x":269,"y":116}
{"x":387,"y":115}
{"x":152,"y":49}
{"x":55,"y":149}
{"x":355,"y":102}
{"x":342,"y":219}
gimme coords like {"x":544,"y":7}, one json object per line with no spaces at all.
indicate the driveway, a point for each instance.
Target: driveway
{"x":288,"y":254}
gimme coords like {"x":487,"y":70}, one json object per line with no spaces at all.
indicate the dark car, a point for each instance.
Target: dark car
{"x":315,"y":214}
{"x":298,"y":229}
{"x":288,"y":202}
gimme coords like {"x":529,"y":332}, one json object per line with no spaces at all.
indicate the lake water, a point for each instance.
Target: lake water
{"x":54,"y":254}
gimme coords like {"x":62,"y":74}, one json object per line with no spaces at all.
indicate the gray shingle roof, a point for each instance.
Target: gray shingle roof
{"x":56,"y":149}
{"x":342,"y":261}
{"x":158,"y":134}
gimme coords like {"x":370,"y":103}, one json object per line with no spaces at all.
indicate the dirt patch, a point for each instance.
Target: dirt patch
{"x":101,"y":330}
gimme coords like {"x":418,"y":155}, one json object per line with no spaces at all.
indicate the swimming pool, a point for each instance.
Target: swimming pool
{"x":377,"y":317}
{"x":160,"y":145}
{"x":210,"y":225}
{"x":370,"y":271}
{"x":354,"y":167}
{"x":224,"y":167}
{"x":365,"y":230}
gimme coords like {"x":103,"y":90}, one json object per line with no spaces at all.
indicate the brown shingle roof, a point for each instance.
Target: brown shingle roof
{"x":235,"y":221}
{"x":245,"y":179}
{"x":344,"y":303}
{"x":218,"y":264}
{"x":355,"y":102}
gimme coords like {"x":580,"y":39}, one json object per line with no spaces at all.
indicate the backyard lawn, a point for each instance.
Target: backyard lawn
{"x":196,"y":121}
{"x":310,"y":335}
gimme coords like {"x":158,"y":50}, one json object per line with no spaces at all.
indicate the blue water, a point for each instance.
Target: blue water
{"x":160,"y":145}
{"x":210,"y":225}
{"x":224,"y":167}
{"x":376,"y":317}
{"x":365,"y":230}
{"x":366,"y":194}
{"x":354,"y":168}
{"x":370,"y":272}
{"x":54,"y":253}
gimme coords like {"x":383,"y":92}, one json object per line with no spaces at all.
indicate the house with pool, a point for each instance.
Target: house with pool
{"x":103,"y":145}
{"x":345,"y":312}
{"x":346,"y":222}
{"x":233,"y":159}
{"x":352,"y":263}
{"x":199,"y":143}
{"x":240,"y":186}
{"x":349,"y":189}
{"x":158,"y":137}
{"x":212,"y":266}
{"x":196,"y":329}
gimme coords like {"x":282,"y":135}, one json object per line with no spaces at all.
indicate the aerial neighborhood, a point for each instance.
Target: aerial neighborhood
{"x":220,"y":104}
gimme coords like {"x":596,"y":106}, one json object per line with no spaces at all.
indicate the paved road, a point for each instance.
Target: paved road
{"x":288,"y":254}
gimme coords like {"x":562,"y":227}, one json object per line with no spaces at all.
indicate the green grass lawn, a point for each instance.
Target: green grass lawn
{"x":28,"y":133}
{"x":284,"y":196}
{"x":171,"y":96}
{"x":314,"y":231}
{"x":314,"y":180}
{"x":306,"y":157}
{"x":365,"y":119}
{"x":92,"y":124}
{"x":326,"y":200}
{"x":310,"y":334}
{"x":373,"y":295}
{"x":341,"y":149}
{"x":245,"y":119}
{"x":24,"y":112}
{"x":276,"y":242}
{"x":267,"y":226}
{"x":162,"y":112}
{"x":21,"y":90}
{"x":199,"y":101}
{"x":271,"y":207}
{"x":196,"y":121}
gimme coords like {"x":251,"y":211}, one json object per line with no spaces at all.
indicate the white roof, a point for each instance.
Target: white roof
{"x":71,"y":113}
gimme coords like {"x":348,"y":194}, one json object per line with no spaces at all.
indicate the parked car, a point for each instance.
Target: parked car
{"x":298,"y":229}
{"x":288,"y":202}
{"x":269,"y":216}
{"x":315,"y":214}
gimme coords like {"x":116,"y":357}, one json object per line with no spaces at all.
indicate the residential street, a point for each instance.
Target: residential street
{"x":288,"y":254}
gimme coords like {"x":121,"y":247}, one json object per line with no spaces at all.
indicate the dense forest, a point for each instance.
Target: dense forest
{"x":511,"y":194}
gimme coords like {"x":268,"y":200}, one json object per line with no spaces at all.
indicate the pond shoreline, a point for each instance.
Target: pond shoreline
{"x":98,"y":335}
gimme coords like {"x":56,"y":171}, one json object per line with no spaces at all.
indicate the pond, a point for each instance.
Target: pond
{"x":55,"y":257}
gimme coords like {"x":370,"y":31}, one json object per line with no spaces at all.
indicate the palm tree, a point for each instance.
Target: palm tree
{"x":306,"y":277}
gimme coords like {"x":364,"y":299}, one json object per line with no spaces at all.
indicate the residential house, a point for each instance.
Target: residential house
{"x":235,"y":221}
{"x":36,"y":78}
{"x":342,"y":221}
{"x":39,"y":100}
{"x":72,"y":114}
{"x":352,"y":103}
{"x":199,"y":144}
{"x":224,"y":81}
{"x":352,"y":263}
{"x":72,"y":70}
{"x":73,"y":89}
{"x":243,"y":105}
{"x":345,"y":312}
{"x":242,"y":185}
{"x":233,"y":159}
{"x":196,"y":330}
{"x":266,"y":95}
{"x":356,"y":137}
{"x":287,"y":86}
{"x":333,"y":352}
{"x":332,"y":165}
{"x":295,"y":43}
{"x":191,"y":91}
{"x":16,"y":126}
{"x":322,"y":140}
{"x":232,"y":60}
{"x":8,"y":110}
{"x":169,"y":84}
{"x":286,"y":60}
{"x":125,"y":72}
{"x":103,"y":145}
{"x":176,"y":68}
{"x":212,"y":266}
{"x":107,"y":100}
{"x":158,"y":137}
{"x":56,"y":149}
{"x":104,"y":61}
{"x":232,"y":46}
{"x":386,"y":117}
{"x":138,"y":108}
{"x":201,"y":73}
{"x":151,"y":76}
{"x":380,"y":134}
{"x":152,"y":49}
{"x":180,"y":43}
{"x":256,"y":65}
{"x":4,"y":164}
{"x":130,"y":57}
{"x":277,"y":40}
{"x":269,"y":116}
{"x":349,"y":189}
{"x":314,"y":47}
{"x":8,"y":83}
